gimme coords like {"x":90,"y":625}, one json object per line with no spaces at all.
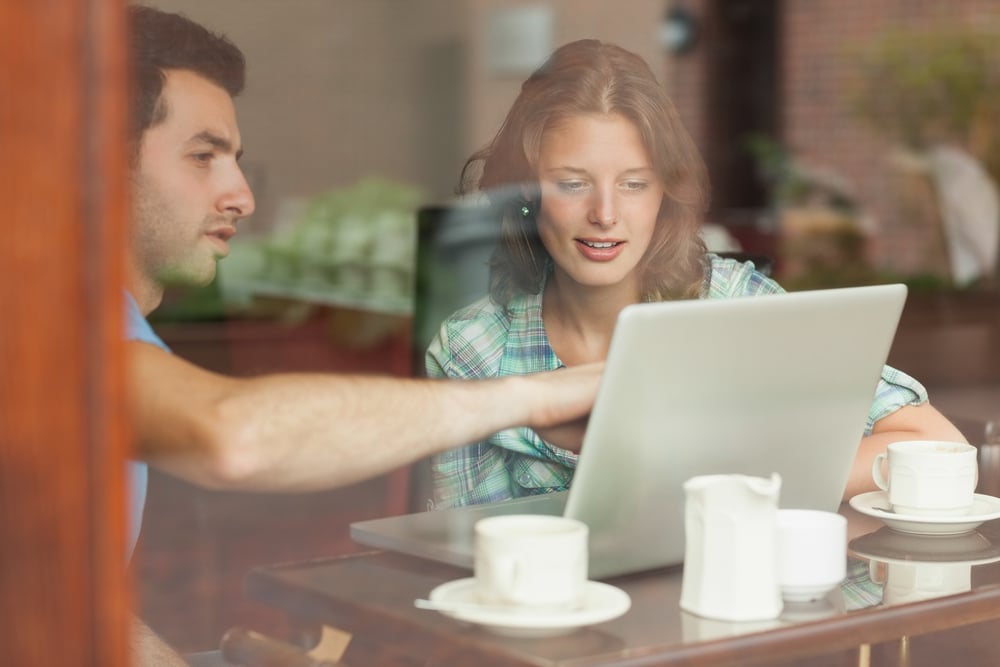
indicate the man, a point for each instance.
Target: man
{"x":279,"y":432}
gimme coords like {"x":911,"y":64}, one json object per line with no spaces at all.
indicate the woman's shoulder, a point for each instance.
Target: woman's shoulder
{"x":472,"y":341}
{"x":728,"y":277}
{"x":479,"y":313}
{"x":482,"y":324}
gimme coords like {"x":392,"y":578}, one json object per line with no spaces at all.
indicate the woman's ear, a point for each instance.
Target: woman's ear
{"x":531,"y":199}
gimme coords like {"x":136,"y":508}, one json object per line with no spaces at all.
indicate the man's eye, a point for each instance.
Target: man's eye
{"x":203,"y":158}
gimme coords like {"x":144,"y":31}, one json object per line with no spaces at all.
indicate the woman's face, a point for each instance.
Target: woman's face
{"x":600,"y":200}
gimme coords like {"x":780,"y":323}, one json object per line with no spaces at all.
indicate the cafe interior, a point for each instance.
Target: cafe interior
{"x":848,"y":143}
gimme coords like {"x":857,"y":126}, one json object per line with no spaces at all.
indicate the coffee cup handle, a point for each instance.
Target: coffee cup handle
{"x":877,"y":475}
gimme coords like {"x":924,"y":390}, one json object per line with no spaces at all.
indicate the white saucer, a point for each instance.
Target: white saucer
{"x":876,"y":504}
{"x":602,"y":602}
{"x":888,"y":545}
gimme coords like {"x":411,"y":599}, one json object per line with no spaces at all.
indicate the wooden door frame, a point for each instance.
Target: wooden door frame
{"x":63,"y":438}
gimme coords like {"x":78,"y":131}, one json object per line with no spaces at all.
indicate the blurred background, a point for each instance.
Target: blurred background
{"x":848,"y":142}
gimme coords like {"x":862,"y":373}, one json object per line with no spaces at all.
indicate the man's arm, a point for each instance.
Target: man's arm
{"x":312,"y":431}
{"x":148,"y":650}
{"x":911,"y":422}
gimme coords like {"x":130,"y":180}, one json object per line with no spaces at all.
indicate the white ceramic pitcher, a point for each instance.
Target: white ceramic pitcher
{"x":730,"y":557}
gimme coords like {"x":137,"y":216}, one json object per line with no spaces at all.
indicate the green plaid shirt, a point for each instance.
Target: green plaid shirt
{"x":482,"y":341}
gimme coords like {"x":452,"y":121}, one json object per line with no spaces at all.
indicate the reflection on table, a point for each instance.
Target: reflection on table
{"x":898,"y":585}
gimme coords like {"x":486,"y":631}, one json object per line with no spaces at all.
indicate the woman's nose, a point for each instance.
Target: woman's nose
{"x":603,"y":210}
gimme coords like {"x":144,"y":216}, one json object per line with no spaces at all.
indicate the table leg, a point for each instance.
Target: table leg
{"x":865,"y":655}
{"x":904,"y":651}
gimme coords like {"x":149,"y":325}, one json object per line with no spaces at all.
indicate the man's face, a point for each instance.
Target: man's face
{"x":187,"y":189}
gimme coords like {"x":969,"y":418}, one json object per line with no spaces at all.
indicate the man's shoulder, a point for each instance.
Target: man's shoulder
{"x":137,"y":328}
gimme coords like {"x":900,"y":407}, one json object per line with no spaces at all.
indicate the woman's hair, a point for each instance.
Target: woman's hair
{"x":588,"y":77}
{"x":160,"y":41}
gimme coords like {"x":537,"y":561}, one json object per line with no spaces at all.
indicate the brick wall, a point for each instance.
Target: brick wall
{"x":818,"y":70}
{"x":490,"y":94}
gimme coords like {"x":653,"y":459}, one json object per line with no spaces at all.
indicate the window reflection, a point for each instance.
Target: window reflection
{"x":359,"y":113}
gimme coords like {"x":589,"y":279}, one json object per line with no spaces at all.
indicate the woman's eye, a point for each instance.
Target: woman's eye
{"x":635,"y":186}
{"x":572,"y":186}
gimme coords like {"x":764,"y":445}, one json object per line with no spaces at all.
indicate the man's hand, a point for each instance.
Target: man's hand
{"x":562,"y":397}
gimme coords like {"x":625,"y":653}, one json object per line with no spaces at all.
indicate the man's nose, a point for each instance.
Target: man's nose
{"x":238,"y":199}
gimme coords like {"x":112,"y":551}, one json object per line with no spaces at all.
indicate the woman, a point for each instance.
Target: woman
{"x":609,"y":192}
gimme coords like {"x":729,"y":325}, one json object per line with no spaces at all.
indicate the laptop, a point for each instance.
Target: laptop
{"x":778,"y":383}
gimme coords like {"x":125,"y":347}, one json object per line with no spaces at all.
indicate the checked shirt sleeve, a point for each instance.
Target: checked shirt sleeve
{"x":486,"y":341}
{"x":468,"y":345}
{"x":895,"y":389}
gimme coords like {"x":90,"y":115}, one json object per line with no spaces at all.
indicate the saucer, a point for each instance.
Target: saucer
{"x":798,"y":610}
{"x":888,"y":545}
{"x":876,"y":504}
{"x":602,"y":602}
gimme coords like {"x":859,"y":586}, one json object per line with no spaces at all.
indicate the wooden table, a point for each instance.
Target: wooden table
{"x":371,"y":597}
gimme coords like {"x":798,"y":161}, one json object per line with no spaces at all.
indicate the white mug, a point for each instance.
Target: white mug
{"x":928,"y":477}
{"x":812,"y":553}
{"x":531,"y":561}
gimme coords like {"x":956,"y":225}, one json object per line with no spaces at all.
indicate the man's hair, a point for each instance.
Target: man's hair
{"x":160,"y":41}
{"x":581,"y":78}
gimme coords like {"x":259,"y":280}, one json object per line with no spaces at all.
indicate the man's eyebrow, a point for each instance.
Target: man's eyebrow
{"x":215,"y":141}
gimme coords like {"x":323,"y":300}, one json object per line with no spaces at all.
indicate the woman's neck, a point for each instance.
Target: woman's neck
{"x":579,"y":320}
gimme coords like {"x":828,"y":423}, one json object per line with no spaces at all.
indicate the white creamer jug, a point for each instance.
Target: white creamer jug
{"x":731,"y":547}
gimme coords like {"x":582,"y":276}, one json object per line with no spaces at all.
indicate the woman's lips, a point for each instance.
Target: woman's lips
{"x":600,"y":250}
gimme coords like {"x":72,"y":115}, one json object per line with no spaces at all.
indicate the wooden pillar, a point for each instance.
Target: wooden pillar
{"x":63,"y":587}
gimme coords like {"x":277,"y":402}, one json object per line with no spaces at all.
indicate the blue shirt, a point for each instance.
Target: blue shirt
{"x":137,"y":328}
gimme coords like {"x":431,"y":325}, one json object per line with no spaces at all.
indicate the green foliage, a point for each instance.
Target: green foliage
{"x":352,"y":246}
{"x":190,"y":304}
{"x":370,"y":224}
{"x":919,"y":86}
{"x":774,"y":167}
{"x":793,"y":184}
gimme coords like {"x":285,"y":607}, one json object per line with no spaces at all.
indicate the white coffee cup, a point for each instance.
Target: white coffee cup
{"x":928,"y":477}
{"x":531,"y":562}
{"x":912,"y":581}
{"x":812,"y":553}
